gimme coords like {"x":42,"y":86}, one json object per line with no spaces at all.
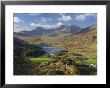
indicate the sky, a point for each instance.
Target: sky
{"x":29,"y":21}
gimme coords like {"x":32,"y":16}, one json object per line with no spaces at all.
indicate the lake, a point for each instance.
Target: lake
{"x":52,"y":50}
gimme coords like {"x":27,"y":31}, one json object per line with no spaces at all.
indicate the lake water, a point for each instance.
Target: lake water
{"x":52,"y":50}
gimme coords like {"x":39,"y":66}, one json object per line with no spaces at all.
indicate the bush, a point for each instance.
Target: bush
{"x":56,"y":68}
{"x":61,"y":53}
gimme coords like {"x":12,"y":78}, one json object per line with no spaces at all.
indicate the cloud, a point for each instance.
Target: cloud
{"x":32,"y":24}
{"x":90,"y":14}
{"x":59,"y":24}
{"x":47,"y":26}
{"x":43,"y":22}
{"x":64,"y":17}
{"x":34,"y":14}
{"x":21,"y":28}
{"x":16,"y":19}
{"x":84,"y":16}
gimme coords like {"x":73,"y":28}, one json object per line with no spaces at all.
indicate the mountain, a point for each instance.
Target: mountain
{"x":36,"y":31}
{"x":61,"y":36}
{"x":90,"y":28}
{"x":69,"y":29}
{"x":73,"y":29}
{"x":86,"y":39}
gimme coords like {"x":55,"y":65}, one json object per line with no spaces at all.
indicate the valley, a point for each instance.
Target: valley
{"x":76,"y":48}
{"x":83,"y":42}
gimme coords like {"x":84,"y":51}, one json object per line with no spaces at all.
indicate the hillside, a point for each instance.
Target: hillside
{"x":22,"y":51}
{"x":21,"y":46}
{"x":84,"y":43}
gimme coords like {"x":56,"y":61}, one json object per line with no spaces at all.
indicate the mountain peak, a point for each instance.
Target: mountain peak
{"x":94,"y":26}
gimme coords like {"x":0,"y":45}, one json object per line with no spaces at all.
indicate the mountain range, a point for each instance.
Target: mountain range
{"x":70,"y":30}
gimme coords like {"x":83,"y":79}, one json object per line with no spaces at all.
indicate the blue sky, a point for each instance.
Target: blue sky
{"x":29,"y":21}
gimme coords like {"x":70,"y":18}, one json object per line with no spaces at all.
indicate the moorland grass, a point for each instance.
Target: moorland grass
{"x":39,"y":60}
{"x":91,"y":61}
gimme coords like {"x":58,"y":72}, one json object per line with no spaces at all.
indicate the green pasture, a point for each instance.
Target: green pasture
{"x":39,"y":60}
{"x":91,"y":61}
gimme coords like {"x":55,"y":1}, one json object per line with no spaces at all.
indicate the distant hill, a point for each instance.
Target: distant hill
{"x":90,"y":28}
{"x":73,"y":29}
{"x":84,"y":39}
{"x":85,"y":42}
{"x":69,"y":29}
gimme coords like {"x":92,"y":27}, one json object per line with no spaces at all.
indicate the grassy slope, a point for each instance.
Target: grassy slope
{"x":91,"y":61}
{"x":39,"y":60}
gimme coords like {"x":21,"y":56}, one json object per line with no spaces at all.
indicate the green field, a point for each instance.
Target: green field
{"x":91,"y":61}
{"x":39,"y":60}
